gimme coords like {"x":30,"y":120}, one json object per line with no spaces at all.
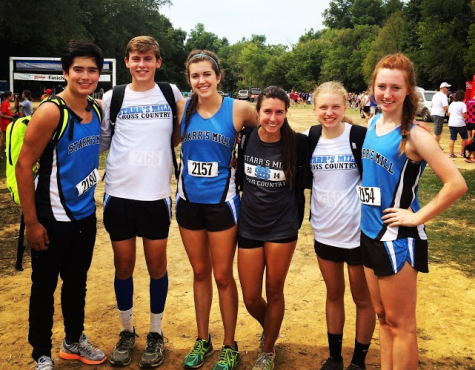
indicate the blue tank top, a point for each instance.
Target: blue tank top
{"x":206,"y":153}
{"x":68,"y":173}
{"x":397,"y":178}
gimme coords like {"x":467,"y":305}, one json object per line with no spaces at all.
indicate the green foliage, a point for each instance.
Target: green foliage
{"x":367,"y":12}
{"x":438,"y":36}
{"x":388,"y":41}
{"x":451,"y":234}
{"x":338,"y":15}
{"x":201,"y":39}
{"x":344,"y":59}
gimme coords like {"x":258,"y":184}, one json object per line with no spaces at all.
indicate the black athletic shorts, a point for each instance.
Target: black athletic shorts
{"x":246,"y":243}
{"x":351,"y":256}
{"x":212,"y":217}
{"x":470,"y":126}
{"x":127,"y":218}
{"x":388,"y":258}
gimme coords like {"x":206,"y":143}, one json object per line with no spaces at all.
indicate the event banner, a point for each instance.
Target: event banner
{"x":45,"y":77}
{"x":46,"y":66}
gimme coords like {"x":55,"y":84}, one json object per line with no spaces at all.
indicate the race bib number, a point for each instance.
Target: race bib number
{"x":369,"y":195}
{"x":145,"y":158}
{"x":202,"y":169}
{"x":88,"y":182}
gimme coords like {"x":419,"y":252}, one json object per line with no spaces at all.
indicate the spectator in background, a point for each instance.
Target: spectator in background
{"x":365,"y":102}
{"x":440,"y":105}
{"x":372,"y":106}
{"x":470,"y":119}
{"x":457,"y":115}
{"x":5,"y":117}
{"x":26,"y":105}
{"x":47,"y":94}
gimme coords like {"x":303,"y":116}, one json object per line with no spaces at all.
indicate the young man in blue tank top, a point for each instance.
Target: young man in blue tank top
{"x":61,"y":221}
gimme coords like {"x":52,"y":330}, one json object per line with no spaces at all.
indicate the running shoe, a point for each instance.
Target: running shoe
{"x":265,"y":361}
{"x":354,"y":367}
{"x":201,"y":350}
{"x":121,"y":354}
{"x":462,"y":154}
{"x":45,"y":363}
{"x":331,"y":364}
{"x":452,"y":155}
{"x":469,"y":160}
{"x":83,"y":351}
{"x":262,"y":339}
{"x":228,"y":359}
{"x":154,"y":352}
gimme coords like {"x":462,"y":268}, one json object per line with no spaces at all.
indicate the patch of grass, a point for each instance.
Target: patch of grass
{"x":451,"y":234}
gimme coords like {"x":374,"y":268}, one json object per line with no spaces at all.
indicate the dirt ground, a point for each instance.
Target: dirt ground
{"x":446,"y":320}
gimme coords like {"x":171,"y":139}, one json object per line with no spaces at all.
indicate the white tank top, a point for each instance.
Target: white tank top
{"x":139,"y":165}
{"x":335,"y":206}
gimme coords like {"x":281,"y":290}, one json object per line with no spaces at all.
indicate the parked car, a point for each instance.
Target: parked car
{"x":243,"y":95}
{"x":255,"y":91}
{"x":425,"y":103}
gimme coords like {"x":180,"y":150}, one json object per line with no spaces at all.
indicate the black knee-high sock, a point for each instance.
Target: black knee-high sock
{"x":359,"y":355}
{"x":335,"y":342}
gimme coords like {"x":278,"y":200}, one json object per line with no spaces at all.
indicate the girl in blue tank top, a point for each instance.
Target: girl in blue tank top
{"x":207,"y":206}
{"x":394,"y":244}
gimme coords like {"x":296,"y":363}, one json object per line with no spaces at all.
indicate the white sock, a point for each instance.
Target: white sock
{"x":156,"y":323}
{"x":127,"y":320}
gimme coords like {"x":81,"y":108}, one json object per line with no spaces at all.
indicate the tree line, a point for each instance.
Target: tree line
{"x":438,"y":35}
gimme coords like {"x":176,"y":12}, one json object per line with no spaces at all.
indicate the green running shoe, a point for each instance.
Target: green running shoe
{"x":228,"y":359}
{"x":201,"y":350}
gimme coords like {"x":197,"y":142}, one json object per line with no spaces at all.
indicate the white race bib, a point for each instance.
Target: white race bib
{"x":370,"y":196}
{"x":145,"y":158}
{"x":88,"y":182}
{"x":202,"y":169}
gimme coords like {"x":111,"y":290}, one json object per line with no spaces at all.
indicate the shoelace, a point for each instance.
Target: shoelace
{"x":226,"y":356}
{"x":152,"y":343}
{"x":124,"y":337}
{"x":87,"y":347}
{"x":43,"y":363}
{"x":264,"y":359}
{"x":197,"y":348}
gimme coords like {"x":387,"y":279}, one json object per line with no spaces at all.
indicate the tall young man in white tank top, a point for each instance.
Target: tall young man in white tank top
{"x":137,"y":199}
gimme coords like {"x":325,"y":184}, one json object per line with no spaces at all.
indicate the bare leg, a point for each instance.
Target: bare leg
{"x":196,"y":246}
{"x":222,"y":245}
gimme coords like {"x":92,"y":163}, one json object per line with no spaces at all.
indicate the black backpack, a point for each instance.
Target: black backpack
{"x":116,"y":103}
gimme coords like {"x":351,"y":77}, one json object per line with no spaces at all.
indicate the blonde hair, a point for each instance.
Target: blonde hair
{"x":332,"y":87}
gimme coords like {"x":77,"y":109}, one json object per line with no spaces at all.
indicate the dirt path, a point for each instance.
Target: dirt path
{"x":445,"y":314}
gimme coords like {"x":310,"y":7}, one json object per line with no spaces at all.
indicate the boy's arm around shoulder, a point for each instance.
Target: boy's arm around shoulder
{"x":179,"y":99}
{"x":106,"y":129}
